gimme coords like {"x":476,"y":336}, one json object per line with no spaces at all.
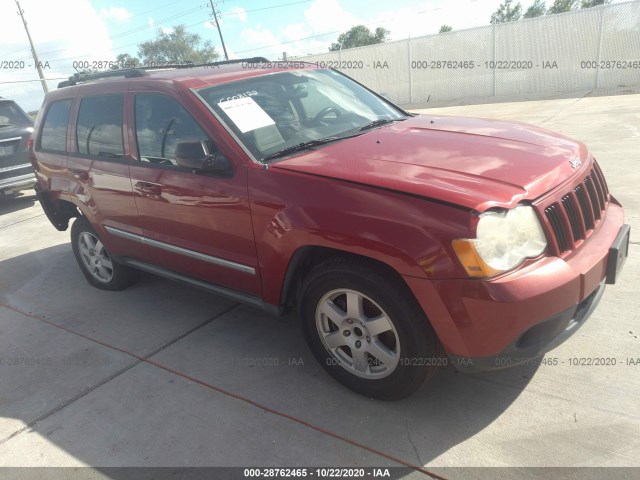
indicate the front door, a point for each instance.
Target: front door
{"x":196,"y":224}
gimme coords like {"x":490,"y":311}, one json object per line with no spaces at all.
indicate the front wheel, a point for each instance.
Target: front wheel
{"x":366,"y":330}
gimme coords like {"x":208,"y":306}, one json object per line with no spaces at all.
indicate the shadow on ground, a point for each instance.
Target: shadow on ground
{"x":105,"y":408}
{"x":20,"y":201}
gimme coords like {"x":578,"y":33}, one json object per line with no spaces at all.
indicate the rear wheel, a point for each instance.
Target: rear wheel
{"x":366,"y":330}
{"x":94,"y":259}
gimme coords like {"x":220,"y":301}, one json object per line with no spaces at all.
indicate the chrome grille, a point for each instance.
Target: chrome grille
{"x":578,"y":212}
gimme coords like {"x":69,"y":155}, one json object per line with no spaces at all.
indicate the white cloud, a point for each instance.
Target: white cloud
{"x":166,"y":30}
{"x":235,"y":13}
{"x":239,"y":13}
{"x":261,"y":36}
{"x":322,"y":16}
{"x":118,"y":14}
{"x":151,"y":22}
{"x":57,"y":46}
{"x":328,"y":15}
{"x":295,"y":31}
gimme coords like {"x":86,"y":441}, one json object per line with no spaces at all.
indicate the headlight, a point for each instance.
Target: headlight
{"x":503,"y":241}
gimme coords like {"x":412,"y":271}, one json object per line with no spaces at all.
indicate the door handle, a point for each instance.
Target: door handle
{"x":148,"y":188}
{"x":80,"y":174}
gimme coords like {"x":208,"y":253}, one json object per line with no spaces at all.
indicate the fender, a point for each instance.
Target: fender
{"x":401,"y":231}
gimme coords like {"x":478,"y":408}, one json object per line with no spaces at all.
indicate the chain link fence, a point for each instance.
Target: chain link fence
{"x":589,"y":49}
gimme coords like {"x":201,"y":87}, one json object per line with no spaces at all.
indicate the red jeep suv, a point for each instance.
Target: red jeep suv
{"x":405,"y":241}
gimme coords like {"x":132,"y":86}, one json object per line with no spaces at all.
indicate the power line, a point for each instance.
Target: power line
{"x":152,"y":10}
{"x":33,"y":50}
{"x":35,"y":80}
{"x":122,"y":47}
{"x":173,"y":17}
{"x":135,"y":30}
{"x":265,"y":8}
{"x":421,"y":12}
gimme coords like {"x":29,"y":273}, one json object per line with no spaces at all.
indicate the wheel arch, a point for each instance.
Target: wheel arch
{"x":57,"y":210}
{"x":307,"y":257}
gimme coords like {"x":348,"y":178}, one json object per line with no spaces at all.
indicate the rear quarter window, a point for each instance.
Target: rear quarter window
{"x":54,"y":127}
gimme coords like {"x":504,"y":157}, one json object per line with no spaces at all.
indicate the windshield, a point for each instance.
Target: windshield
{"x":12,"y":115}
{"x":274,"y":112}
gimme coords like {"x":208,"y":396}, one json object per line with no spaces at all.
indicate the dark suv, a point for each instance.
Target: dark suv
{"x":404,"y":241}
{"x":16,"y":127}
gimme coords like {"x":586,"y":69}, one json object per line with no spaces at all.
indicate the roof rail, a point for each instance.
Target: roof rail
{"x":84,"y":77}
{"x":140,"y":71}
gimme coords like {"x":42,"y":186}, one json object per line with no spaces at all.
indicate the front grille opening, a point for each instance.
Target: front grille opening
{"x":572,"y":214}
{"x":553,"y":215}
{"x":575,"y":215}
{"x":585,"y":206}
{"x":593,"y":196}
{"x":600,"y":190}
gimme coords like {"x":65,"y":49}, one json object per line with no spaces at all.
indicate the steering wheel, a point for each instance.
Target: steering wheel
{"x":324,"y":112}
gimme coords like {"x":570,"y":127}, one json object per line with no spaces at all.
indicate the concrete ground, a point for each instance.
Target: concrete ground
{"x":197,"y":392}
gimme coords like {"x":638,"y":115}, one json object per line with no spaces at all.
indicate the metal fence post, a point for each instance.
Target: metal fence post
{"x":410,"y":73}
{"x":602,"y":9}
{"x":494,"y":60}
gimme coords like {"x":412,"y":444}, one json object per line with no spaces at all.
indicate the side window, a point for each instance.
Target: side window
{"x":54,"y":127}
{"x":99,"y":130}
{"x":161,"y":122}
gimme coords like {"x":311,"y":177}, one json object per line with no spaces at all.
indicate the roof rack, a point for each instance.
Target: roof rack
{"x":85,"y":77}
{"x":141,"y":71}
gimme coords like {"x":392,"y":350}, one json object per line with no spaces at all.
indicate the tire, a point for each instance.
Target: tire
{"x":388,"y":359}
{"x":105,"y":273}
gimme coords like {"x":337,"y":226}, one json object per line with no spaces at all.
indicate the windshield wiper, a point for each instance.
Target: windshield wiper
{"x":303,"y":146}
{"x":6,"y":124}
{"x":375,"y":123}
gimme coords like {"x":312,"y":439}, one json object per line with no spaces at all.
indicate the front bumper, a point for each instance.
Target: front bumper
{"x":536,"y":341}
{"x":487,"y":324}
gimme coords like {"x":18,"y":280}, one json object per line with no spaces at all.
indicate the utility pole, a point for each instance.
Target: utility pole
{"x":215,"y":17}
{"x":33,"y":50}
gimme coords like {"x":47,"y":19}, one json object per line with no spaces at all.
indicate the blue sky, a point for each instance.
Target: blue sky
{"x":88,"y":30}
{"x":256,"y":27}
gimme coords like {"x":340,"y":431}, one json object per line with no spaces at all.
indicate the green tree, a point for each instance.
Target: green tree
{"x":177,"y":46}
{"x":359,"y":36}
{"x":561,"y":6}
{"x":537,"y":9}
{"x":594,"y":3}
{"x":124,"y":60}
{"x":445,"y":29}
{"x":507,"y":12}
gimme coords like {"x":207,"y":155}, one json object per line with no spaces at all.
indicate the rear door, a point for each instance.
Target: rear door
{"x":99,"y":169}
{"x":196,"y":224}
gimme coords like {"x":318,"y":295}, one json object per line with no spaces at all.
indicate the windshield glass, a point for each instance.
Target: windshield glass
{"x":273,"y":112}
{"x":11,"y":114}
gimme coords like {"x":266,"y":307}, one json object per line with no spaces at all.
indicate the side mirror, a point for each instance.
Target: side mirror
{"x":195,"y":155}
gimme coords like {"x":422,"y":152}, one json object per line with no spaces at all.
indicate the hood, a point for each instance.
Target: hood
{"x":474,"y":163}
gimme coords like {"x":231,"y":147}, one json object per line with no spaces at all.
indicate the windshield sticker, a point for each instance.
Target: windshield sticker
{"x":246,"y":114}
